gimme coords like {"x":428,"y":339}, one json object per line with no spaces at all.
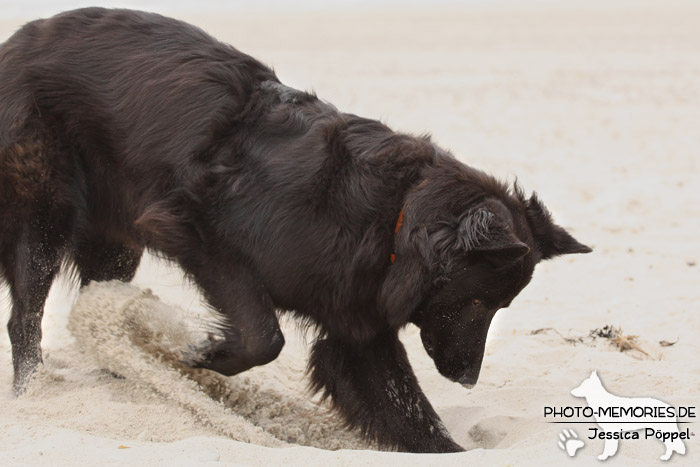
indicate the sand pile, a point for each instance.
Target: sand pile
{"x":130,"y":333}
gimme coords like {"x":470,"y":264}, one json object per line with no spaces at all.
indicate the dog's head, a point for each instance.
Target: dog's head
{"x":467,"y":247}
{"x":589,"y":386}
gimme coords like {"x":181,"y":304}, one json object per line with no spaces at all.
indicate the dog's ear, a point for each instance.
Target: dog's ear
{"x":482,"y":231}
{"x":551,"y":239}
{"x":478,"y":230}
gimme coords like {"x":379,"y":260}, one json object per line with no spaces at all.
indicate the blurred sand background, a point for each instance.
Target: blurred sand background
{"x":596,"y":106}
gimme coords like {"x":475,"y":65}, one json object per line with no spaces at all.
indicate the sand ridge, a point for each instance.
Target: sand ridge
{"x":132,"y":334}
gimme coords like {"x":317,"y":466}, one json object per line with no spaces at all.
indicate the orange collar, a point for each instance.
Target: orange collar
{"x":399,"y":223}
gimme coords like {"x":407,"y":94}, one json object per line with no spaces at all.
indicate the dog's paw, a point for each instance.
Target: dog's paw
{"x":196,"y":355}
{"x":569,"y":442}
{"x":226,"y":357}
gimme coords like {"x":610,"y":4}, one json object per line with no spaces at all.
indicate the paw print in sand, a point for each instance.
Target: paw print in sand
{"x":569,"y":442}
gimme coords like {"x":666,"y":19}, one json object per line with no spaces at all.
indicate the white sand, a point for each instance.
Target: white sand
{"x":597,"y":110}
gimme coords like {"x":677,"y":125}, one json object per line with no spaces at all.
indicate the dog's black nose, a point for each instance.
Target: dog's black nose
{"x":468,"y":380}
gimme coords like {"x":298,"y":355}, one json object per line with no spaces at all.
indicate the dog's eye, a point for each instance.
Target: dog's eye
{"x":476,"y":302}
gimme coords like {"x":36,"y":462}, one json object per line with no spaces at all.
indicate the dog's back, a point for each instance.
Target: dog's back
{"x":103,"y":80}
{"x":87,"y":97}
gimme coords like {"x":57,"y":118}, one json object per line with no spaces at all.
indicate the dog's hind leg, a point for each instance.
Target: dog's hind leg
{"x":609,"y":449}
{"x":30,"y":268}
{"x":374,"y":388}
{"x":676,"y":445}
{"x":35,"y":234}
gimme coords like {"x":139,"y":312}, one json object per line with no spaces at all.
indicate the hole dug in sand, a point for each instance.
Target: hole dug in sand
{"x":476,"y":429}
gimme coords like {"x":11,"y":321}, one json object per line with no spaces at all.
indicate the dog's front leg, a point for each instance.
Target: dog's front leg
{"x":609,"y":449}
{"x":373,"y":386}
{"x":251,"y":332}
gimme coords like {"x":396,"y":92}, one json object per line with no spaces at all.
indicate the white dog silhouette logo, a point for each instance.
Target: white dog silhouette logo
{"x":597,"y":398}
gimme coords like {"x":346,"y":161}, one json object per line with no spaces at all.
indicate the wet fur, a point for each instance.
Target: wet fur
{"x":123,"y":130}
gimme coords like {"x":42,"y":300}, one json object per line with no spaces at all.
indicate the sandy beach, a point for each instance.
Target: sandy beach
{"x":594,"y":107}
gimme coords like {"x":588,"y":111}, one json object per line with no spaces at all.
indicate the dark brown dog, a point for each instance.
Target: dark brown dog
{"x":122,"y":130}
